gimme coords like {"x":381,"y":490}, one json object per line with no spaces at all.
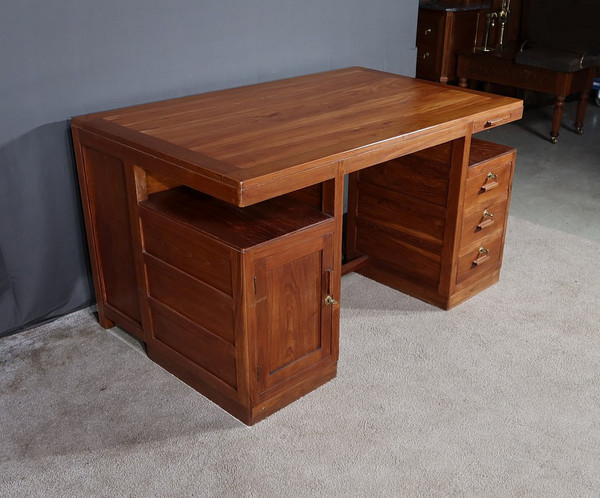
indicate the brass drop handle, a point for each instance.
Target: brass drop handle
{"x":490,"y":182}
{"x":425,"y":55}
{"x":482,"y":256}
{"x":487,"y":219}
{"x":329,"y":300}
{"x":493,"y":122}
{"x":427,"y":31}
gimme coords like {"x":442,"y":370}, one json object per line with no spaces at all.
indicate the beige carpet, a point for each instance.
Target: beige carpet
{"x":498,"y":397}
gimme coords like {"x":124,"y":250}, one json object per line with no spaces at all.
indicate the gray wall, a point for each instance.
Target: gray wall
{"x":67,"y":57}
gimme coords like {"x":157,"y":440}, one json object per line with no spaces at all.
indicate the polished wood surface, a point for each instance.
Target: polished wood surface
{"x":295,"y":317}
{"x":215,"y":222}
{"x":247,"y":144}
{"x":236,"y":227}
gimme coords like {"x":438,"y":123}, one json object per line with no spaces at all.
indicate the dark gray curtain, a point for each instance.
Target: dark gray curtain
{"x":43,"y":261}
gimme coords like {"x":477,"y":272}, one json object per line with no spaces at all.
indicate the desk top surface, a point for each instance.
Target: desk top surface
{"x":246,"y":141}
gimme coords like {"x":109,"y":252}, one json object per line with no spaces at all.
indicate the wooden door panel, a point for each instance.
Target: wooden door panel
{"x":295,"y":303}
{"x":294,"y":323}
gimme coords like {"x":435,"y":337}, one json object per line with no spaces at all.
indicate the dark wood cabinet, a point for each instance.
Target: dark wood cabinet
{"x":443,"y":29}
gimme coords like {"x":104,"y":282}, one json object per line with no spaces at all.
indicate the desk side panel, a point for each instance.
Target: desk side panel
{"x":103,"y":187}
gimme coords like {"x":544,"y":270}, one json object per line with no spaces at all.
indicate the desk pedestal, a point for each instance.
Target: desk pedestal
{"x":426,"y":234}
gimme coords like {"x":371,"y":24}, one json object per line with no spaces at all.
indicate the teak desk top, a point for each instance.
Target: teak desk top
{"x":247,"y":144}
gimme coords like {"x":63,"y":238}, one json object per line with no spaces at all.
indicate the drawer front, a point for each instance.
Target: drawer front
{"x":479,"y":223}
{"x":430,"y":45}
{"x":481,"y":258}
{"x":483,"y":164}
{"x":429,"y":27}
{"x":490,"y":122}
{"x":201,"y":257}
{"x":426,"y":64}
{"x":206,"y":350}
{"x":487,"y":181}
{"x":200,"y":303}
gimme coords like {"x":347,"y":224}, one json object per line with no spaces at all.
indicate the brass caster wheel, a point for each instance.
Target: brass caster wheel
{"x":579,"y":130}
{"x":554,"y":140}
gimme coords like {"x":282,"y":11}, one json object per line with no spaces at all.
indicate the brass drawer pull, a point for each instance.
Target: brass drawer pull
{"x":482,"y":256}
{"x":491,"y":182}
{"x":427,"y":31}
{"x":493,"y":122}
{"x":487,"y":219}
{"x":425,"y":55}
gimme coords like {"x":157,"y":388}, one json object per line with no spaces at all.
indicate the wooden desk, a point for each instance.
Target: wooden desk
{"x":214,"y":221}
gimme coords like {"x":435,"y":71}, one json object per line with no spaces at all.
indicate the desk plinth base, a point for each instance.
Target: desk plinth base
{"x":389,"y":276}
{"x":242,"y":410}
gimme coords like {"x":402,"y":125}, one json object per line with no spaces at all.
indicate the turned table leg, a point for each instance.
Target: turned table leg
{"x":559,"y":105}
{"x":581,"y":107}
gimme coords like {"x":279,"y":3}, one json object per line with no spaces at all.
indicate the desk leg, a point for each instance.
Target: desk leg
{"x":333,"y":203}
{"x":459,"y":162}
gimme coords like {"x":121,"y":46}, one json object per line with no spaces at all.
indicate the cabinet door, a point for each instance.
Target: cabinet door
{"x":293,"y":316}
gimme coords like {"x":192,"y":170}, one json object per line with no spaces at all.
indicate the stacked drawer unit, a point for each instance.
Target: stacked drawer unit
{"x":487,"y":197}
{"x":403,"y":220}
{"x":442,"y":31}
{"x":431,"y":28}
{"x":236,"y":297}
